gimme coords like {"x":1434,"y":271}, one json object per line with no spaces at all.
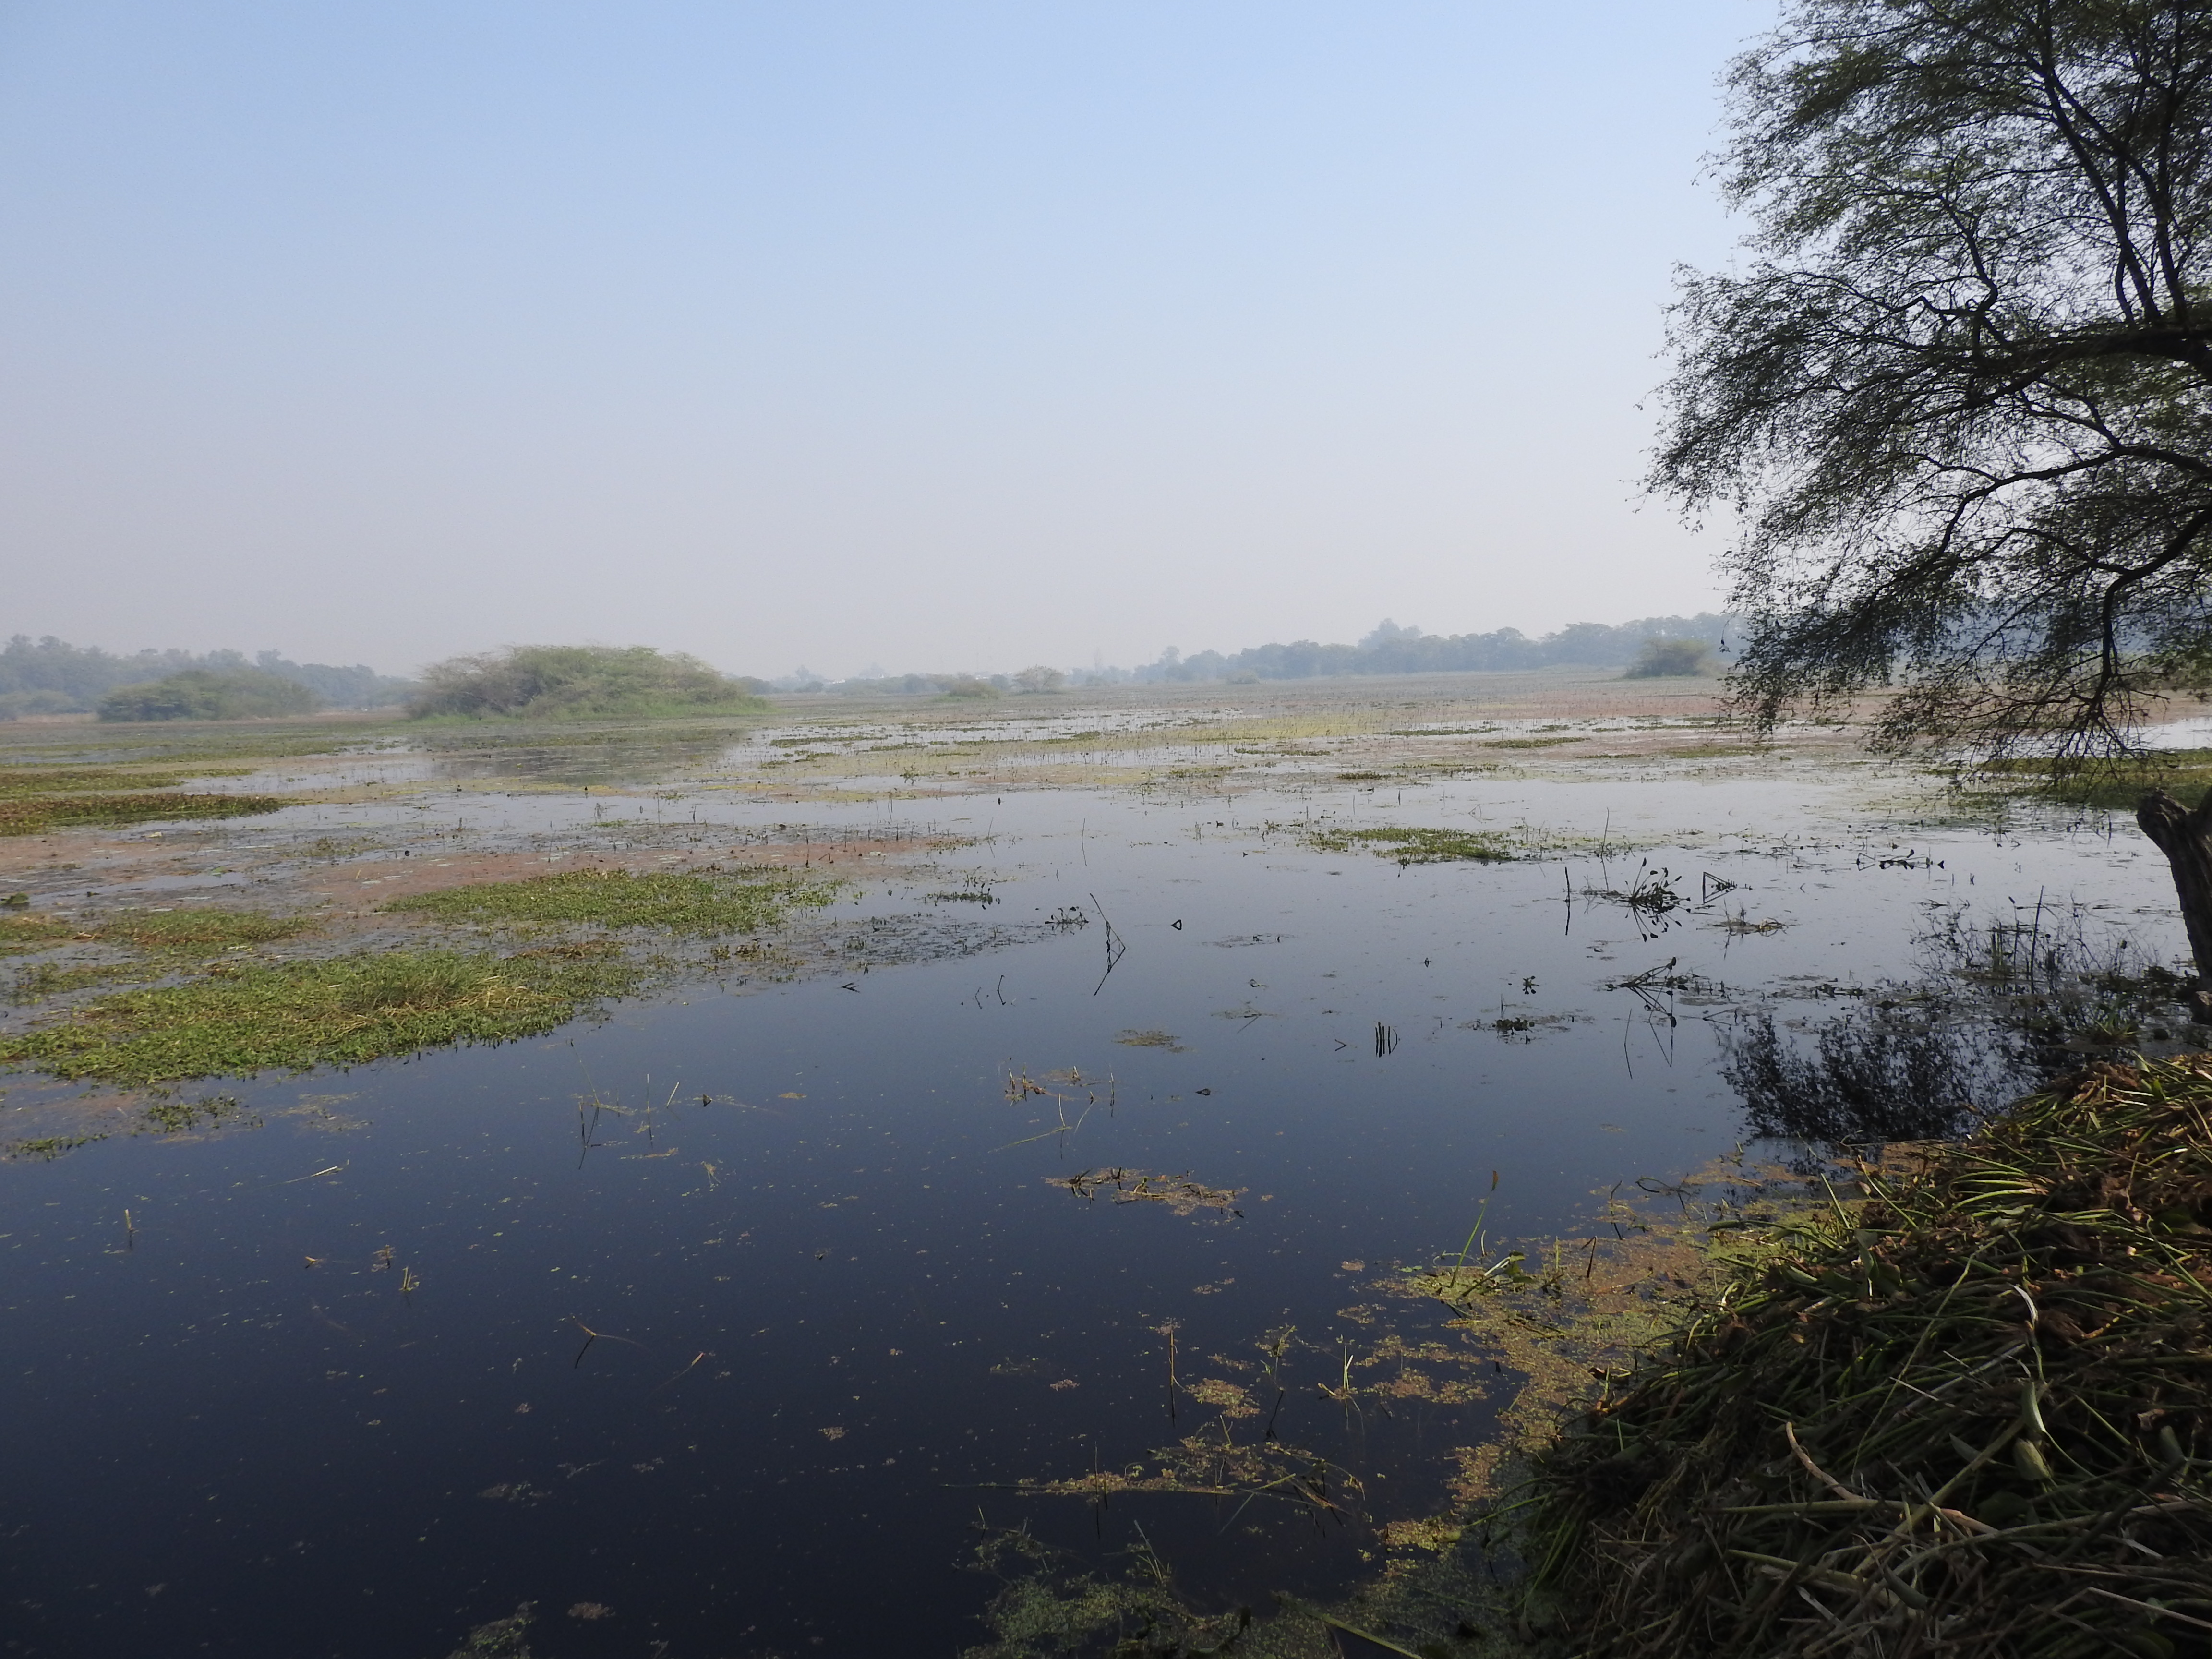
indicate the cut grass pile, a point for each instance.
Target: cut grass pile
{"x":295,"y":1016}
{"x":695,"y":904}
{"x":1971,"y":1416}
{"x":34,"y":815}
{"x":1412,"y":845}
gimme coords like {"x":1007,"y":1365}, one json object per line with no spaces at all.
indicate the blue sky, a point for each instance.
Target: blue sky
{"x":918,"y":334}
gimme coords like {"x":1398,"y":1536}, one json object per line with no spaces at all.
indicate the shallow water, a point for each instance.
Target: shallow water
{"x":841,"y":1307}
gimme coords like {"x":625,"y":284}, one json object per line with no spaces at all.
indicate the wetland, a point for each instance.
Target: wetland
{"x":1068,"y":1128}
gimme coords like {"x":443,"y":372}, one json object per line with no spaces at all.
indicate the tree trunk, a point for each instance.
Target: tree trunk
{"x":2186,"y":838}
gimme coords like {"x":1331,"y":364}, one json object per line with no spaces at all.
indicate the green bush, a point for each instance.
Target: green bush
{"x":1666,"y":659}
{"x":577,"y":681}
{"x":203,"y":694}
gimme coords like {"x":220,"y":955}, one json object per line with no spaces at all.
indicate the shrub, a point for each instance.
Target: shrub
{"x":967,"y":685}
{"x":1666,"y":659}
{"x":1040,"y":678}
{"x":577,"y":681}
{"x":203,"y":694}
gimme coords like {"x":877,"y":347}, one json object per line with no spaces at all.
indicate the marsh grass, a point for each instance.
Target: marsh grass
{"x":295,"y":1016}
{"x":744,"y":901}
{"x":38,"y":982}
{"x":22,"y":933}
{"x":44,"y":1148}
{"x":16,"y":782}
{"x":1411,"y":845}
{"x":34,"y":815}
{"x":1970,"y":1414}
{"x":194,"y":928}
{"x":2184,"y":774}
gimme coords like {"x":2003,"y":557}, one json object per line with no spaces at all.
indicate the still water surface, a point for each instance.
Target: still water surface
{"x":334,"y":1394}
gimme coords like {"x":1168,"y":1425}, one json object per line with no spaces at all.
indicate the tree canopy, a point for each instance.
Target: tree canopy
{"x":578,"y":681}
{"x":1959,"y":394}
{"x":204,"y":694}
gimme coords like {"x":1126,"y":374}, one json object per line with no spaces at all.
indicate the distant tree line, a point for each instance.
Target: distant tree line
{"x":50,"y":676}
{"x":1694,"y":645}
{"x":1391,"y":649}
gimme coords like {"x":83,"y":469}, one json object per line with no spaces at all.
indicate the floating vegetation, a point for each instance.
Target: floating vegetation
{"x":710,"y":901}
{"x":502,"y":1639}
{"x":179,"y":1117}
{"x":1045,"y":1606}
{"x":34,"y":815}
{"x":1971,"y":1416}
{"x":295,"y":1016}
{"x":16,"y":782}
{"x":44,"y":1148}
{"x":1180,"y":1193}
{"x":1412,"y":845}
{"x":1151,"y":1039}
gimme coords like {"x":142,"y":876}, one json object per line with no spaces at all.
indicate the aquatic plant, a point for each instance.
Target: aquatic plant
{"x":1971,"y":1415}
{"x":34,"y":815}
{"x":16,"y":781}
{"x":295,"y":1016}
{"x":196,"y":926}
{"x":693,"y":904}
{"x":1408,"y":844}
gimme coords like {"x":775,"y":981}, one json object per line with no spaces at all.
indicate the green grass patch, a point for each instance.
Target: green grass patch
{"x":1410,"y":845}
{"x":295,"y":1016}
{"x":170,"y":930}
{"x":1529,"y":743}
{"x":16,"y":782}
{"x":2184,"y":774}
{"x":22,"y":933}
{"x":42,"y":980}
{"x":696,"y":904}
{"x":34,"y":815}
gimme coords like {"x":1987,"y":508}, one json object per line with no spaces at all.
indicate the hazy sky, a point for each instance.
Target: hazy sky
{"x":927,"y":334}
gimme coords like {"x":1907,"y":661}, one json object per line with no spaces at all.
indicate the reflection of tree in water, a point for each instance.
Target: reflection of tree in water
{"x":2005,"y":1002}
{"x":1871,"y":1076}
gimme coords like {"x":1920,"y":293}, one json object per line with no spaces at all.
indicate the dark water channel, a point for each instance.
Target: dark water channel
{"x":334,"y":1394}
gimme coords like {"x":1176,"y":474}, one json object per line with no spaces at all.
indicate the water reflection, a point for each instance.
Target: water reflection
{"x":1870,"y":1077}
{"x":727,"y":1317}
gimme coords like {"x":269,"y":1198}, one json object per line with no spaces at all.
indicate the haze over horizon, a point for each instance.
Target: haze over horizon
{"x":942,"y":335}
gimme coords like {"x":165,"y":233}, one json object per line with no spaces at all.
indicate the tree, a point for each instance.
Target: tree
{"x":567,"y":682}
{"x":1039,"y":679}
{"x":204,"y":694}
{"x":1666,"y":658}
{"x":1959,"y":396}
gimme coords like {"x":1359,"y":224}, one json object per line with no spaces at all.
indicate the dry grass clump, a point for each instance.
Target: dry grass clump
{"x":1972,"y":1418}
